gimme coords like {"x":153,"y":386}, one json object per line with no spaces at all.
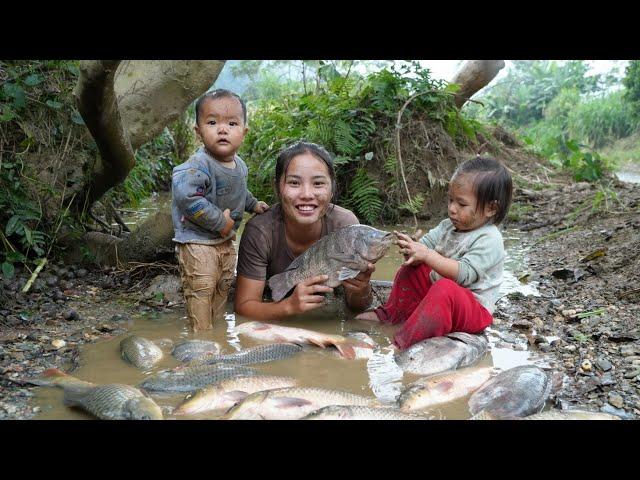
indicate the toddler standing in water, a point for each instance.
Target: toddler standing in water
{"x":451,"y":278}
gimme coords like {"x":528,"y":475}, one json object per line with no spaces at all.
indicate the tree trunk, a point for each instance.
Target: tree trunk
{"x":474,"y":76}
{"x":127,"y":103}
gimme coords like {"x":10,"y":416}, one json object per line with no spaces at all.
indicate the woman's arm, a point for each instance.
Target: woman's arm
{"x":248,"y":299}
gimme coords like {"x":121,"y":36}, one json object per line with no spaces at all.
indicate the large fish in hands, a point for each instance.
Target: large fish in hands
{"x":341,"y":255}
{"x":277,"y":333}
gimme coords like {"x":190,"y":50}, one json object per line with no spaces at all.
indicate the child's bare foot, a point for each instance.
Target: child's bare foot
{"x":370,"y":315}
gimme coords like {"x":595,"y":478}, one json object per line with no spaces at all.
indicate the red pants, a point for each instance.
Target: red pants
{"x":430,"y":309}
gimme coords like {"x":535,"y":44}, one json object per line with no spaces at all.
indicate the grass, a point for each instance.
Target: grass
{"x":624,"y":152}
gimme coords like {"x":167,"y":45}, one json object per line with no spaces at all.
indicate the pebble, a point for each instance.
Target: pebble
{"x":607,"y":379}
{"x":586,"y":365}
{"x":522,"y":324}
{"x":71,"y":314}
{"x":632,"y":373}
{"x":58,"y":344}
{"x":569,"y":313}
{"x":603,"y":364}
{"x":570,"y":348}
{"x":544,"y":347}
{"x":607,"y":408}
{"x":616,"y":400}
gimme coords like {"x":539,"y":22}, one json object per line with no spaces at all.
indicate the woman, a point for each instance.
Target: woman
{"x":305,"y":185}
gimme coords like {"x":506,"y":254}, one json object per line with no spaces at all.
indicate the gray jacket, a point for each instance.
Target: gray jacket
{"x":201,"y":190}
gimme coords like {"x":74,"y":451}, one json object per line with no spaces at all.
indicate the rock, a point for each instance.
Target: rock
{"x":118,"y":317}
{"x":603,"y":364}
{"x":632,"y":373}
{"x":607,"y":379}
{"x":58,"y":344}
{"x":628,"y":350}
{"x":522,"y":324}
{"x":570,"y":348}
{"x":81,"y":273}
{"x":616,"y":400}
{"x":52,"y":281}
{"x":586,"y":365}
{"x":166,"y":288}
{"x":71,"y":314}
{"x":544,"y":347}
{"x":607,"y":408}
{"x":569,"y":313}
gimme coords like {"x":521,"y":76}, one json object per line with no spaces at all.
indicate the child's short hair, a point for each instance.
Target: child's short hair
{"x":491,"y":183}
{"x":220,"y":93}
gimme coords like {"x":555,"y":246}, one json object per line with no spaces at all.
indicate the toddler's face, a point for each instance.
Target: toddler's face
{"x":463,"y":211}
{"x":221,"y":127}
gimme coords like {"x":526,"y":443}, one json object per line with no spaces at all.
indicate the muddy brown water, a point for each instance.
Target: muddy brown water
{"x":378,"y":376}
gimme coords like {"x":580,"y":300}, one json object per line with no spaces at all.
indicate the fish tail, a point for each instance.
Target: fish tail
{"x":279,"y":285}
{"x":74,"y":394}
{"x":346,"y":350}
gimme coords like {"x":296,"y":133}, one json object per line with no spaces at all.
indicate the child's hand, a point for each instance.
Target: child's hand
{"x":260,"y":207}
{"x":413,"y":252}
{"x":229,"y":225}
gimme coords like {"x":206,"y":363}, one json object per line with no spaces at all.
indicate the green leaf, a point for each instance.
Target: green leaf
{"x":73,"y":69}
{"x":53,"y":104}
{"x":12,"y":225}
{"x":77,"y":118}
{"x":33,"y":80}
{"x":7,"y":114}
{"x":17,"y":93}
{"x":27,"y":234}
{"x":8,"y":271}
{"x":452,"y":87}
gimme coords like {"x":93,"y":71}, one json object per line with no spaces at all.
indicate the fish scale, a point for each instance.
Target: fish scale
{"x":107,"y":402}
{"x":343,"y":412}
{"x":139,"y":351}
{"x":189,"y":379}
{"x":259,"y":354}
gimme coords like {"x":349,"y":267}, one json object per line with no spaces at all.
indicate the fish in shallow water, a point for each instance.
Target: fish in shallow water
{"x":517,"y":392}
{"x":193,"y":349}
{"x":359,"y":352}
{"x":189,"y":379}
{"x":439,"y":354}
{"x":443,"y":388}
{"x":225,"y":394}
{"x":277,"y":333}
{"x":342,"y":412}
{"x":571,"y":415}
{"x":292,"y":403}
{"x":258,"y":354}
{"x":107,"y":402}
{"x":341,"y":255}
{"x":140,"y":352}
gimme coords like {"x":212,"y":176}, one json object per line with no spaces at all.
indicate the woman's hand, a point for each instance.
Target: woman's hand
{"x":413,"y":252}
{"x":360,"y":285}
{"x":260,"y":207}
{"x":304,"y":297}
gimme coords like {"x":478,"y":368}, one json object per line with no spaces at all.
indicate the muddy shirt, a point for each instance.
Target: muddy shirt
{"x":480,"y":254}
{"x":201,"y":189}
{"x":263,"y":248}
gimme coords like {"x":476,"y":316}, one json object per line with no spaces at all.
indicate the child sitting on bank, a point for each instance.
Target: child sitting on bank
{"x":451,"y":278}
{"x":209,"y":198}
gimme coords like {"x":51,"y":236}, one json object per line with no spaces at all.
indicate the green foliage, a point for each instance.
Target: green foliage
{"x":364,"y":196}
{"x":351,"y":115}
{"x":631,"y":83}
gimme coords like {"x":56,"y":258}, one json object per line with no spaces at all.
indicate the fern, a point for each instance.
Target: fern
{"x":414,"y":205}
{"x":364,"y":196}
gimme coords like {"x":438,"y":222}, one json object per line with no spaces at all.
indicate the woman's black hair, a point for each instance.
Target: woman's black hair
{"x":300,"y":148}
{"x":491,"y":183}
{"x":220,"y":93}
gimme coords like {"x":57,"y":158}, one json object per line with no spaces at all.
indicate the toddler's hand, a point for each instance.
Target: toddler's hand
{"x":261,"y":207}
{"x":229,"y":225}
{"x":413,"y":252}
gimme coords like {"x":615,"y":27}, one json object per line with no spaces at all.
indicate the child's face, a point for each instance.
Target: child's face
{"x":463,"y":211}
{"x":221,"y":127}
{"x":305,"y":189}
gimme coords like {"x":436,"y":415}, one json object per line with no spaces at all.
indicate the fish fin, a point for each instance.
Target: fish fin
{"x":54,"y":372}
{"x":290,"y":402}
{"x":346,"y":273}
{"x":346,"y":350}
{"x":317,"y":343}
{"x":444,"y":386}
{"x":236,"y":396}
{"x":279,"y":285}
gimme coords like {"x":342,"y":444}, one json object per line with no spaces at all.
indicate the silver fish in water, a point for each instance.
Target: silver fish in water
{"x":248,"y":356}
{"x":140,"y":352}
{"x":342,"y":412}
{"x":292,"y":403}
{"x":341,"y":255}
{"x":517,"y":392}
{"x":189,"y":379}
{"x":193,"y":349}
{"x":443,"y":388}
{"x":225,"y":394}
{"x":439,"y":354}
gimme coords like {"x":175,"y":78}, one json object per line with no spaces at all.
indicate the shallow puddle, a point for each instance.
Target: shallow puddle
{"x":377,"y":376}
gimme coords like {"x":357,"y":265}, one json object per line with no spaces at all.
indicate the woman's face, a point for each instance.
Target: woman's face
{"x":305,"y":189}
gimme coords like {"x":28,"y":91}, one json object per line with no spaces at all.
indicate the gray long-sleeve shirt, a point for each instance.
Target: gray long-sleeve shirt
{"x":480,"y":254}
{"x":201,"y":190}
